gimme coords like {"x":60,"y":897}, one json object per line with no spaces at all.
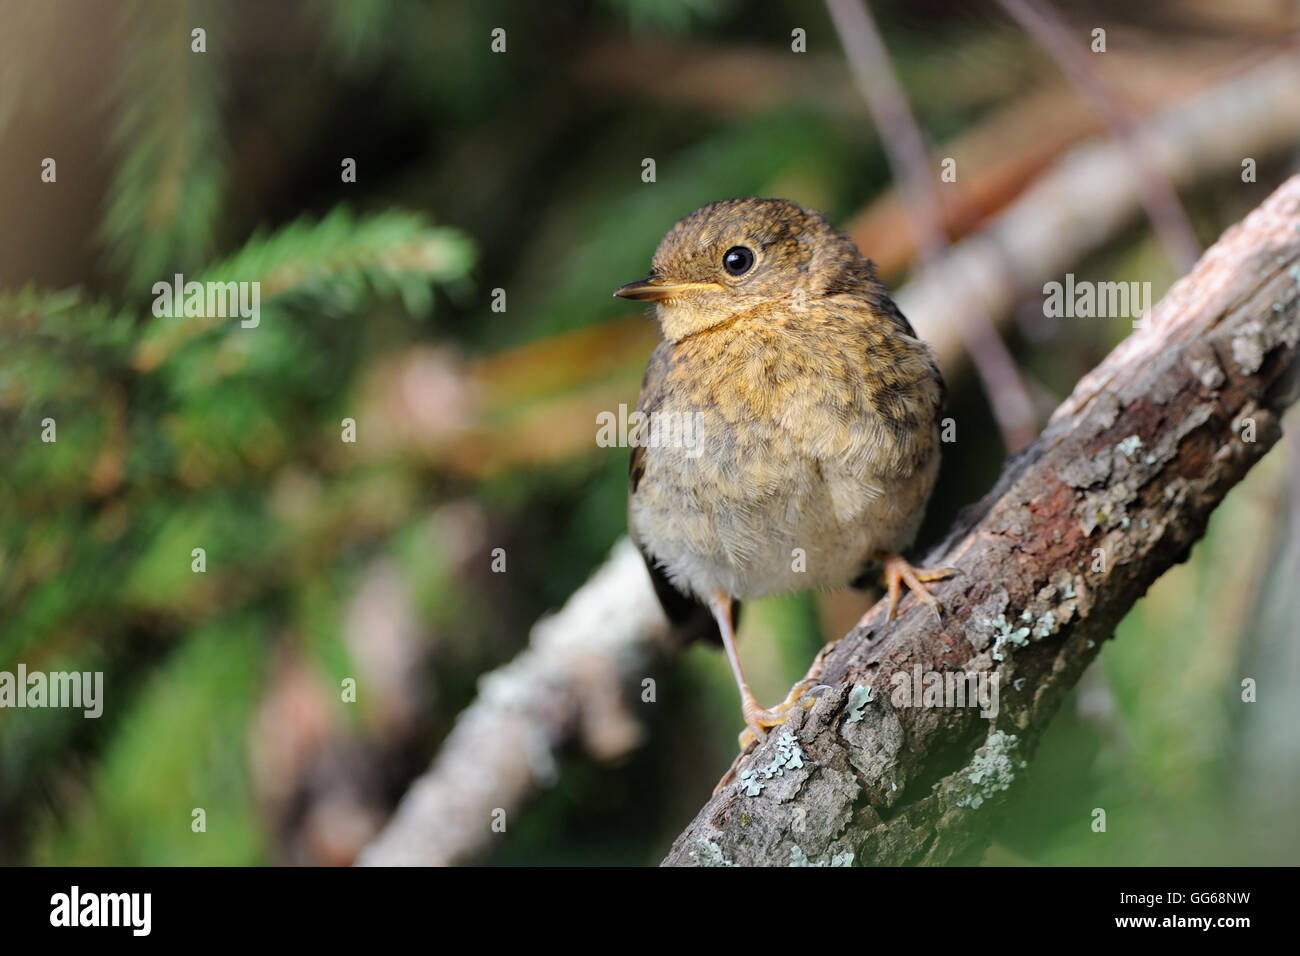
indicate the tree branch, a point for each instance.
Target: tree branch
{"x":1115,"y":491}
{"x":505,"y":746}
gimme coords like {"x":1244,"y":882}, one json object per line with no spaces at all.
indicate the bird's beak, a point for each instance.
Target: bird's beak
{"x":656,"y":290}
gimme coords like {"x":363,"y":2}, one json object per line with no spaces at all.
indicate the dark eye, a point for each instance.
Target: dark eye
{"x":738,"y":260}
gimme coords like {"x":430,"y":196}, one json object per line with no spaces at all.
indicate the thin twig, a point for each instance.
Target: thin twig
{"x":1159,"y":198}
{"x":907,"y":155}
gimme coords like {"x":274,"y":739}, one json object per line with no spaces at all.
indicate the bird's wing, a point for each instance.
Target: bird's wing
{"x":652,"y":397}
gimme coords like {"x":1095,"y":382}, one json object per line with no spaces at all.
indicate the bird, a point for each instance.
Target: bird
{"x":804,"y":413}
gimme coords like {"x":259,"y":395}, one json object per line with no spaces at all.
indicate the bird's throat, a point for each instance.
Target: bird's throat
{"x":680,"y":321}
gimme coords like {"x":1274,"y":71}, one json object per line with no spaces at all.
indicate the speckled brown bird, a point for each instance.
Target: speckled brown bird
{"x":815,"y":412}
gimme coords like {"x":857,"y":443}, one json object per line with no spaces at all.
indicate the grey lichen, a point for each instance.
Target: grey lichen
{"x":749,"y":783}
{"x":1062,"y":600}
{"x":1047,"y":626}
{"x":1207,"y":372}
{"x":994,"y":770}
{"x":1004,"y":635}
{"x":1041,"y":627}
{"x":788,"y":757}
{"x":1249,"y":346}
{"x":707,"y":853}
{"x":799,"y":858}
{"x":1129,"y":446}
{"x":979,"y":625}
{"x":858,"y":703}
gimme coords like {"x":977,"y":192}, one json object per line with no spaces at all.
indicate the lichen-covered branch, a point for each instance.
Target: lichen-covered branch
{"x":1115,"y":491}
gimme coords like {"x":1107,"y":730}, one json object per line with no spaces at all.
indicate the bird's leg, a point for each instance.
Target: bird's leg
{"x":749,"y":737}
{"x":796,"y":696}
{"x":720,"y":605}
{"x":898,"y":572}
{"x":757,"y":718}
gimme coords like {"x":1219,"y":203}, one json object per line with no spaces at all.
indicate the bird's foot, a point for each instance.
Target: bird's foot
{"x":897,"y":572}
{"x":803,"y":694}
{"x":758,"y":720}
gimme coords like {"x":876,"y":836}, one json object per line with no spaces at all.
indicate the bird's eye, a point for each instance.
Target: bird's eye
{"x":738,"y":260}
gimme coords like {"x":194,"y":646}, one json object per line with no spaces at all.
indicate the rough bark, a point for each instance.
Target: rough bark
{"x":1115,"y":491}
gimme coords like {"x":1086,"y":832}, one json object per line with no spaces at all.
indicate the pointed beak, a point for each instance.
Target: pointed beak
{"x":656,"y":290}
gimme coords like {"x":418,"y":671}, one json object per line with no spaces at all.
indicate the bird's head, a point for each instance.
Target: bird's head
{"x":738,"y":255}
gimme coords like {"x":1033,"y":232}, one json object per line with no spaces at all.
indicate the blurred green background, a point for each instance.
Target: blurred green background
{"x":518,"y":171}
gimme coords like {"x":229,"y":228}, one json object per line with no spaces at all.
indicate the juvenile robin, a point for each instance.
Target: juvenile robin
{"x":815,"y":409}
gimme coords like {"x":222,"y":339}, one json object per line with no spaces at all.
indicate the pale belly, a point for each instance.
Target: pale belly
{"x":748,"y":530}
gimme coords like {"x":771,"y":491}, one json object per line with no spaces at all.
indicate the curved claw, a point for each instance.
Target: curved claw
{"x":803,"y":694}
{"x":897,"y":572}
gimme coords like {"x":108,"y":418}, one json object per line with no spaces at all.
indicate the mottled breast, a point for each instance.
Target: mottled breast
{"x":784,"y":450}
